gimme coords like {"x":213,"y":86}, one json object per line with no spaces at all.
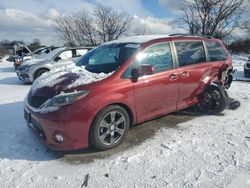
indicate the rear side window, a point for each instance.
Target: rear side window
{"x":215,"y":51}
{"x":80,"y":52}
{"x":66,"y":55}
{"x":190,"y":52}
{"x":159,"y":56}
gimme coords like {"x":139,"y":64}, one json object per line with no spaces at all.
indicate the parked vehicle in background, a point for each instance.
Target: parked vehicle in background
{"x":20,"y":50}
{"x":126,"y":82}
{"x":43,"y":50}
{"x":12,"y":58}
{"x":247,"y":68}
{"x":32,"y":69}
{"x":36,"y":54}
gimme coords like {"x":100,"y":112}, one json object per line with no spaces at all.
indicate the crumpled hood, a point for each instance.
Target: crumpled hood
{"x":64,"y":79}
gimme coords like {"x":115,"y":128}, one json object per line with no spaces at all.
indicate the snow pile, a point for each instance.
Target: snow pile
{"x":55,"y":76}
{"x":4,"y":59}
{"x":238,"y":63}
{"x":240,"y":59}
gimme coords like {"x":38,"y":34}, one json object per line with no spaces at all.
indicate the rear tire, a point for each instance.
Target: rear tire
{"x":109,"y":127}
{"x":213,"y":100}
{"x":40,"y":72}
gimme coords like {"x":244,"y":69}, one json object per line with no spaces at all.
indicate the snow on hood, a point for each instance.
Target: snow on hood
{"x":57,"y":75}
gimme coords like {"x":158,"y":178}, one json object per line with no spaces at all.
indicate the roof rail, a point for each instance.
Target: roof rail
{"x":191,"y":35}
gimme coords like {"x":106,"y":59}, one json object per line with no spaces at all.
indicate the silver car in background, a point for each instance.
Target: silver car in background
{"x":32,"y":69}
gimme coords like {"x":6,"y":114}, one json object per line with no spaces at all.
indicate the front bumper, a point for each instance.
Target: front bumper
{"x":71,"y":126}
{"x":24,"y":76}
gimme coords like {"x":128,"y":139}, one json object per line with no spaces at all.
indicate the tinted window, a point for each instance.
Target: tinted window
{"x":159,"y":56}
{"x":108,"y":57}
{"x":215,"y":51}
{"x":105,"y":56}
{"x":190,"y":52}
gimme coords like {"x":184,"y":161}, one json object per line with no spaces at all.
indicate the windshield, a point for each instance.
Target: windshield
{"x":50,"y":55}
{"x":108,"y":57}
{"x":38,"y":51}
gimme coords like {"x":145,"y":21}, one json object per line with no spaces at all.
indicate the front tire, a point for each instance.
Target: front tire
{"x":109,"y":127}
{"x":213,"y":100}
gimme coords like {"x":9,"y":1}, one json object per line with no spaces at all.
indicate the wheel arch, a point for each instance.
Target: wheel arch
{"x":40,"y":68}
{"x":129,"y":111}
{"x":124,"y":106}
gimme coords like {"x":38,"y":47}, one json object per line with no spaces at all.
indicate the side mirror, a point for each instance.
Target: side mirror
{"x":57,"y":58}
{"x":146,"y":69}
{"x":135,"y":74}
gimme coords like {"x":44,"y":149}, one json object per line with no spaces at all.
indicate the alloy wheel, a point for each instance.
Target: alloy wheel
{"x":112,"y":128}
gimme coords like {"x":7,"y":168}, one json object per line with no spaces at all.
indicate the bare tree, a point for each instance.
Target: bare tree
{"x":212,"y":17}
{"x":139,"y":30}
{"x":85,"y":32}
{"x":90,"y":29}
{"x":65,"y":30}
{"x":110,"y":23}
{"x":245,"y":25}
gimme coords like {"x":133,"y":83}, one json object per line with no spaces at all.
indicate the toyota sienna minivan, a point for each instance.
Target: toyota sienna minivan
{"x":125,"y":82}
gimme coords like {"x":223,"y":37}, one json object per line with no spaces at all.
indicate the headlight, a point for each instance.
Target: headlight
{"x":26,"y":69}
{"x":64,"y":99}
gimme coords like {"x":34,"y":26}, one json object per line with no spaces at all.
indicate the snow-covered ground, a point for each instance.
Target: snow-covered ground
{"x":201,"y":151}
{"x":239,"y":61}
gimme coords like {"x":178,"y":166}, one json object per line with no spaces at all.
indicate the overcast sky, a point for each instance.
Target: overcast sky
{"x":30,"y":19}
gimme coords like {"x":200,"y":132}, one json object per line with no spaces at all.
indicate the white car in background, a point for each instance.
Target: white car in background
{"x":38,"y":53}
{"x":32,"y":69}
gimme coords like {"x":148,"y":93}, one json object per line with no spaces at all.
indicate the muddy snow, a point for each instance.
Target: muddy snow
{"x":183,"y":149}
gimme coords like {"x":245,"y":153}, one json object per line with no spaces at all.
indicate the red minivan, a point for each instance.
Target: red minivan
{"x":125,"y":82}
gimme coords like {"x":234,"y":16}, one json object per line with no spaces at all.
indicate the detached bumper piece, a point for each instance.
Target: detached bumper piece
{"x":233,"y":104}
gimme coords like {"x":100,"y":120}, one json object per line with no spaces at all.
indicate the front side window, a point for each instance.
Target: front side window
{"x":215,"y":51}
{"x":105,"y":56}
{"x":108,"y":57}
{"x":159,"y":56}
{"x":66,"y":55}
{"x":190,"y":52}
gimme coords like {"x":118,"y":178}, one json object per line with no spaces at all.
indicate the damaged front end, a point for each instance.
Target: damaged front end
{"x":226,"y":75}
{"x":226,"y":79}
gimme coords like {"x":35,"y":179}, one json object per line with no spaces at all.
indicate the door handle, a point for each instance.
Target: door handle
{"x":173,"y":77}
{"x":185,"y":74}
